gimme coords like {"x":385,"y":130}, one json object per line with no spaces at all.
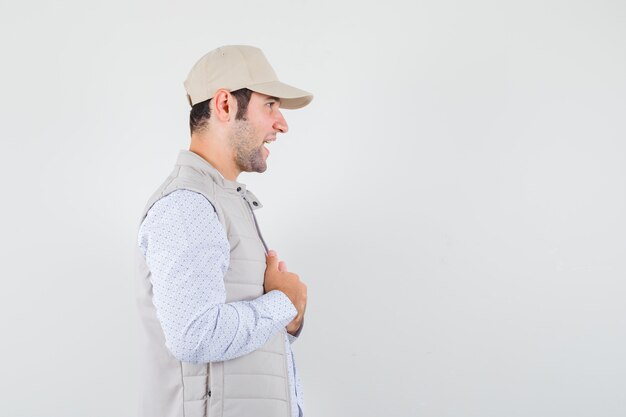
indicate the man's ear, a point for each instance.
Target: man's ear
{"x":224,"y":105}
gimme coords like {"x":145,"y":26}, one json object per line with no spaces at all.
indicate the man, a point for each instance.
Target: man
{"x":218,"y":309}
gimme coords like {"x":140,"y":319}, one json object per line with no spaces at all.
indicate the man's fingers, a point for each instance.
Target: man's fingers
{"x":282,"y":266}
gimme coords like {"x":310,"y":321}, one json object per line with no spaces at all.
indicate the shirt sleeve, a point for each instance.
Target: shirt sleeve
{"x":187,"y":252}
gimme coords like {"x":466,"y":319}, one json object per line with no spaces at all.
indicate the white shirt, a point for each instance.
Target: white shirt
{"x":187,"y":251}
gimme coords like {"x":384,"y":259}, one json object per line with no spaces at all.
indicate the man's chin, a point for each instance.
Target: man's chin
{"x":260,"y":165}
{"x":256,"y":168}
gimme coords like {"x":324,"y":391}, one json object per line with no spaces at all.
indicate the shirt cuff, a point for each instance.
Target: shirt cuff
{"x":285,"y":310}
{"x":294,"y":337}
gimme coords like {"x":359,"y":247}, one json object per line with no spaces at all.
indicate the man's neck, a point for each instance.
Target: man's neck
{"x":220,"y":158}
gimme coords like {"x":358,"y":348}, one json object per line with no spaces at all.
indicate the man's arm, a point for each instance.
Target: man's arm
{"x":188,"y":254}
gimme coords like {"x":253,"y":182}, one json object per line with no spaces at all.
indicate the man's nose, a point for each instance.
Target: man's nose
{"x":280,"y":123}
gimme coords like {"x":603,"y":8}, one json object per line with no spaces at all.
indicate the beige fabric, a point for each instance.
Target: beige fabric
{"x":254,"y":385}
{"x":233,"y":67}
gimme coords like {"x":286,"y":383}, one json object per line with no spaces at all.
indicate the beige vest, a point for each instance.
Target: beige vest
{"x":253,"y":385}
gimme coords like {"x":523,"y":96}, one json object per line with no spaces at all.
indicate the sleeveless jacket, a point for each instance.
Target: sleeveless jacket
{"x":253,"y":385}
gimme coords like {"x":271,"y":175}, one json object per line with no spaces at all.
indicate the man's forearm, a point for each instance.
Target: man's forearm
{"x":230,"y":330}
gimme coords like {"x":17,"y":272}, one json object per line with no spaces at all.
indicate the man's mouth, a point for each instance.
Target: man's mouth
{"x":267,"y":142}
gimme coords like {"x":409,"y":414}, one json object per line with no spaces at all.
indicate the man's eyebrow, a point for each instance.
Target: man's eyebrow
{"x":273,"y":98}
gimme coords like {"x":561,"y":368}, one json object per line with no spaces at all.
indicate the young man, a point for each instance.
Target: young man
{"x":219,"y":310}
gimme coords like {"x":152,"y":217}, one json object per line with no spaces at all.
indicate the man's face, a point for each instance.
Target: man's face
{"x":262,"y":122}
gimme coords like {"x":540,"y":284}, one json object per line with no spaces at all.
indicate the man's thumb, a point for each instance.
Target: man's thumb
{"x":272,"y":259}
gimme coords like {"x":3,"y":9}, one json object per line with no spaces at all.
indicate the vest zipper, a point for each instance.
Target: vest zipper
{"x":257,"y":226}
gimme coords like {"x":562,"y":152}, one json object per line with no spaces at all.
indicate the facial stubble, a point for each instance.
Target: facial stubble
{"x":248,"y":155}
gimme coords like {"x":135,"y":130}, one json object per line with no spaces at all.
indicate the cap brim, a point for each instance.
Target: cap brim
{"x":290,"y":97}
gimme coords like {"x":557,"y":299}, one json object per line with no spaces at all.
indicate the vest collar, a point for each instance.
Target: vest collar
{"x":195,"y":161}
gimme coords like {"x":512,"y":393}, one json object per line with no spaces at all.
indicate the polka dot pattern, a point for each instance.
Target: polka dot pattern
{"x":187,"y":251}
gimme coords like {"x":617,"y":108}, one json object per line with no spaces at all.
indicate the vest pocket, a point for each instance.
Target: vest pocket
{"x":195,"y":408}
{"x":196,"y":389}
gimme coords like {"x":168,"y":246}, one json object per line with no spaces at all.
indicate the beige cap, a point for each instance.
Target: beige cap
{"x":240,"y":66}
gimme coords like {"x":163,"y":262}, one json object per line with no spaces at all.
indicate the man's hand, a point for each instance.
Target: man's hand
{"x":278,"y":278}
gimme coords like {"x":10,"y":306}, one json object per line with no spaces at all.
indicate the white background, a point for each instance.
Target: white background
{"x":454,"y":197}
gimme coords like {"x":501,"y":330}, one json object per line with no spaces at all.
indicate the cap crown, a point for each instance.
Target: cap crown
{"x":230,"y":67}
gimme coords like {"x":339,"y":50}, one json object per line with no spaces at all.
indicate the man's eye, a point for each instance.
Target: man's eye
{"x":271,"y":103}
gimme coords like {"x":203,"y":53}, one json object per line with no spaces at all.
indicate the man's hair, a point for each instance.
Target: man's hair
{"x":201,"y":112}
